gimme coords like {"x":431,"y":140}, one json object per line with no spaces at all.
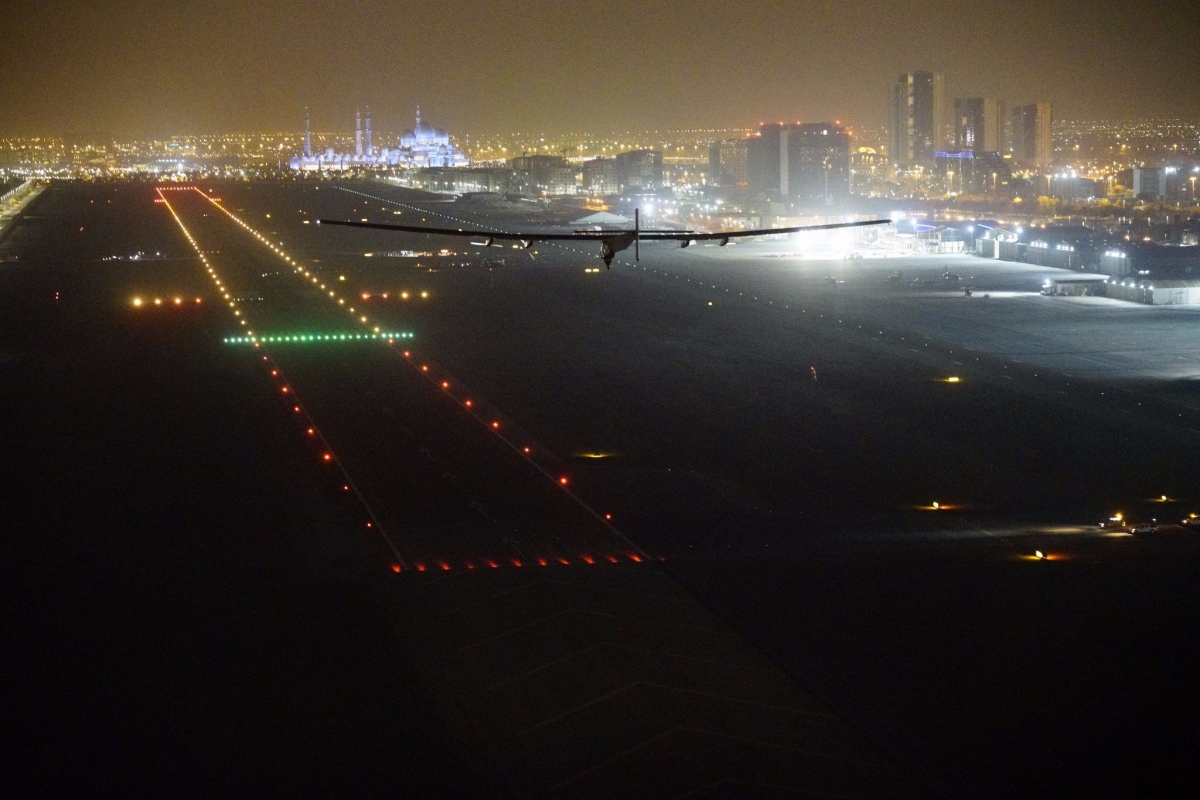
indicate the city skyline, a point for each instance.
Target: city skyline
{"x":139,"y":70}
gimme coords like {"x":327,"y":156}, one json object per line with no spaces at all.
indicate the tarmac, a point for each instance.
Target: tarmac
{"x":758,"y":595}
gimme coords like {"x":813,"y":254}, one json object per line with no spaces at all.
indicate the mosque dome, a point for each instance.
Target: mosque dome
{"x":425,"y":132}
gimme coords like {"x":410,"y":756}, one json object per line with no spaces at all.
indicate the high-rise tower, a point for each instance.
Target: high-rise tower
{"x":1032,"y":144}
{"x":968,"y":124}
{"x":358,"y":151}
{"x":978,"y":125}
{"x":993,"y":125}
{"x":918,"y":119}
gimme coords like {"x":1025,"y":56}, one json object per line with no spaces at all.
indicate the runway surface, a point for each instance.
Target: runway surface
{"x":764,"y":438}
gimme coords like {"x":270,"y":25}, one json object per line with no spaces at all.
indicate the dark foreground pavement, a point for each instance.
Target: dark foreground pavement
{"x":195,"y":606}
{"x":197,"y":603}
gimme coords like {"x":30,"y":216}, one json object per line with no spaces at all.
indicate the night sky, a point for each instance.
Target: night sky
{"x":135,"y":68}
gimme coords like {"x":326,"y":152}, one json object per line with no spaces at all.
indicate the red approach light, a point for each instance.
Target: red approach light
{"x":312,"y":432}
{"x":445,"y":385}
{"x":369,"y":525}
{"x":284,"y":390}
{"x":467,"y":403}
{"x":328,"y":457}
{"x":470,"y":565}
{"x":515,"y":562}
{"x":391,"y":341}
{"x":424,"y":368}
{"x":495,"y":424}
{"x":274,"y":372}
{"x":612,"y":559}
{"x":589,"y":559}
{"x":420,"y":567}
{"x":563,"y":480}
{"x":197,"y":299}
{"x":296,"y":409}
{"x":608,"y":516}
{"x":445,"y":566}
{"x":541,"y":562}
{"x":366,"y":296}
{"x":562,"y":560}
{"x":395,"y":567}
{"x":492,"y":564}
{"x":407,"y":354}
{"x":524,"y":449}
{"x":345,"y":487}
{"x":636,"y":557}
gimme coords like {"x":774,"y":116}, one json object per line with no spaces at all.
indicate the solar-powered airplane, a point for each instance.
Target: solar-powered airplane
{"x":611,"y":241}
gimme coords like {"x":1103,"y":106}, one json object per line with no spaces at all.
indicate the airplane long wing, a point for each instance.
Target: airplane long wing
{"x":612,"y":241}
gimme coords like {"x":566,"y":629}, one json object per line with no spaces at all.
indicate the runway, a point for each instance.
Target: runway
{"x":752,"y":454}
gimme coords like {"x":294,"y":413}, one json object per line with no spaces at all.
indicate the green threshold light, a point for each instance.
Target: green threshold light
{"x":317,"y":337}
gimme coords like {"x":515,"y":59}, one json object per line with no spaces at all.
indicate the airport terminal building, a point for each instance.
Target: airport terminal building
{"x":1140,"y":272}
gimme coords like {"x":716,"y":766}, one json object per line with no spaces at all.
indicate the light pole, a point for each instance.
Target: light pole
{"x":1193,"y":179}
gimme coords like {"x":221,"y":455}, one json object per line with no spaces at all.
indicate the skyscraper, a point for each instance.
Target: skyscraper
{"x":918,"y":119}
{"x":978,"y":125}
{"x":1032,"y":144}
{"x":993,"y":125}
{"x":968,"y":124}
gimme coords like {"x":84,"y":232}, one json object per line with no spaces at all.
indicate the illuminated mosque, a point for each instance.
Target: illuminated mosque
{"x":423,"y":146}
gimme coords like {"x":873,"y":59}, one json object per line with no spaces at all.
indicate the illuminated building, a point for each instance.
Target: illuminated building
{"x":546,"y":174}
{"x":804,"y":162}
{"x":1031,"y":131}
{"x":978,"y":124}
{"x":974,"y":173}
{"x":1149,"y":183}
{"x":727,"y":162}
{"x":1075,"y":188}
{"x":918,"y":119}
{"x":968,"y":124}
{"x":640,"y":169}
{"x":423,"y":146}
{"x":600,"y":176}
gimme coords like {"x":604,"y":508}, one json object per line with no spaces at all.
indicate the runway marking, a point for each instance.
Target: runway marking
{"x":542,"y":459}
{"x":285,"y":388}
